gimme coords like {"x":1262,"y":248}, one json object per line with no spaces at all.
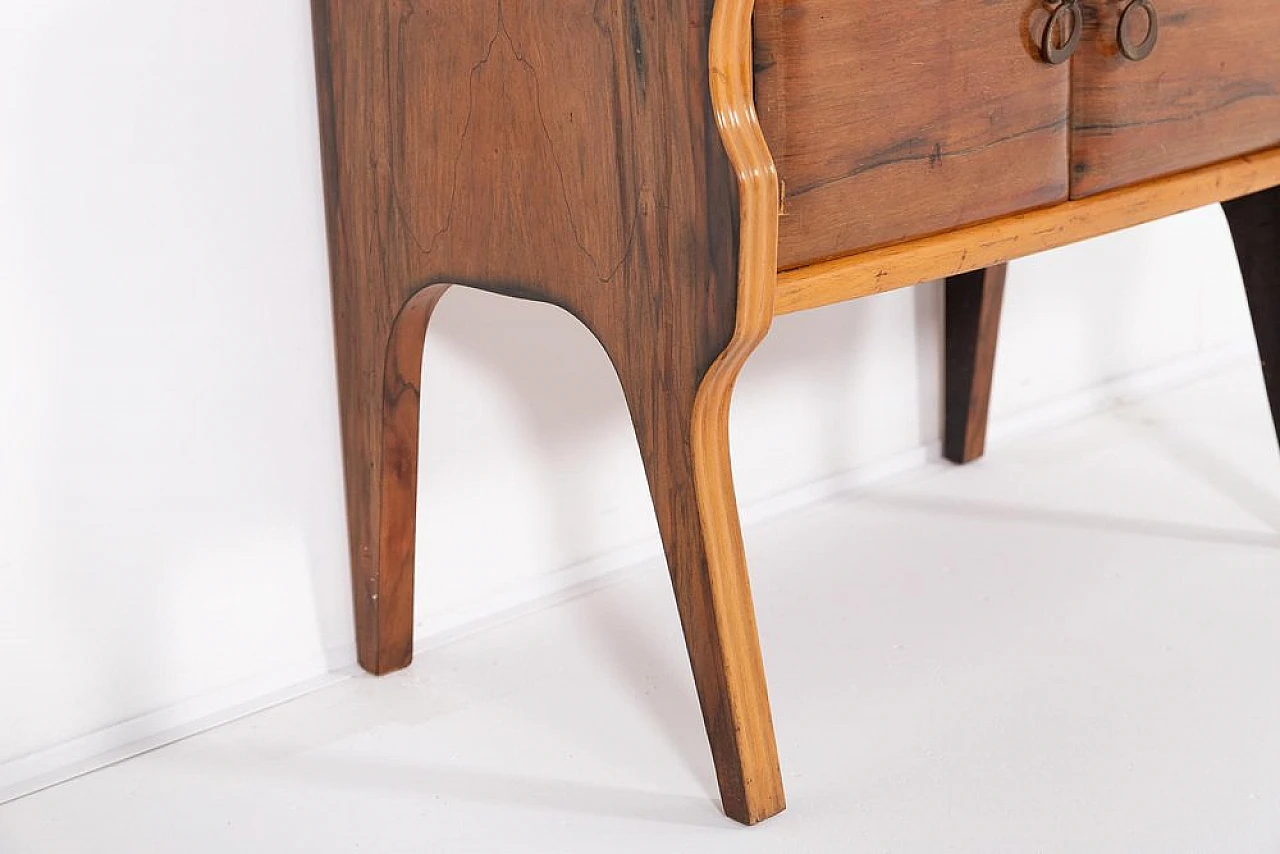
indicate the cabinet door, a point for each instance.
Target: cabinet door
{"x":1210,"y":89}
{"x":892,"y":119}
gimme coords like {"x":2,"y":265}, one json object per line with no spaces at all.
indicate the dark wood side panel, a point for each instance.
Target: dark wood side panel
{"x":556,"y":150}
{"x":1210,"y":90}
{"x":559,"y":151}
{"x":891,"y":120}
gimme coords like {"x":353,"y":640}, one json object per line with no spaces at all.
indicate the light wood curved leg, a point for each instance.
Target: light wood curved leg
{"x":1255,"y":228}
{"x":379,"y":367}
{"x":684,"y":440}
{"x":974,"y":301}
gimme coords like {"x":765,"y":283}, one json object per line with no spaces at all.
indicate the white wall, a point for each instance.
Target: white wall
{"x":171,"y":520}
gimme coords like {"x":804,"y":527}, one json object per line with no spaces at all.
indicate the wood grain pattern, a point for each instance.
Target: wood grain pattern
{"x":1209,"y":91}
{"x":566,"y":151}
{"x":974,"y":301}
{"x":1255,"y":228}
{"x":894,"y":120}
{"x":998,"y":241}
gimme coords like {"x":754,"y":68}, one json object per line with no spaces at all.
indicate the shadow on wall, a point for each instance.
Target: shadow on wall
{"x":524,"y":384}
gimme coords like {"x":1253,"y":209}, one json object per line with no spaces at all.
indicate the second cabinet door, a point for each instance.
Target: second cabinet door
{"x":891,"y":119}
{"x":1209,"y":90}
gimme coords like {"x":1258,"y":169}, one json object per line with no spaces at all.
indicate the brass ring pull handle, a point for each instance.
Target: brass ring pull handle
{"x":1140,"y":51}
{"x":1056,"y":53}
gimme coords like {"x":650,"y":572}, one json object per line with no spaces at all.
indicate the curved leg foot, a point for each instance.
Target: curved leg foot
{"x":379,"y":368}
{"x":1255,"y":228}
{"x":684,"y":439}
{"x":973,"y":308}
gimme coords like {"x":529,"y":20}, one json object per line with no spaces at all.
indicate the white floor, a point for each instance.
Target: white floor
{"x":1072,"y":646}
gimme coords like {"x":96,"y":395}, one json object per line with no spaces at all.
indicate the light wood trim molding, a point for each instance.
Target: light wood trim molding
{"x":997,"y":241}
{"x":733,"y":101}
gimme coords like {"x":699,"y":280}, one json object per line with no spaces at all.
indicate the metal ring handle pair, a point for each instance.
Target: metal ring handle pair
{"x":1057,"y":51}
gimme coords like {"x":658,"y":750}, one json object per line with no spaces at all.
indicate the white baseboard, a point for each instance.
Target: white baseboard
{"x":62,"y":762}
{"x":34,"y":772}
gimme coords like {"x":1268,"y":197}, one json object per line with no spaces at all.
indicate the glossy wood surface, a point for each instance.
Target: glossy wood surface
{"x":1210,"y":90}
{"x":989,"y":243}
{"x":891,"y":120}
{"x":567,"y":151}
{"x":973,"y":304}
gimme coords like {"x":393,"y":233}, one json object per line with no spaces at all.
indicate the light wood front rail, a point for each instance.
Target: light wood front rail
{"x":997,"y":241}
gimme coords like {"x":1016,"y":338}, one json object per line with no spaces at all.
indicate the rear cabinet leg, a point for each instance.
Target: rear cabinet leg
{"x":684,"y":440}
{"x":974,"y":301}
{"x":1255,"y":228}
{"x":379,"y":366}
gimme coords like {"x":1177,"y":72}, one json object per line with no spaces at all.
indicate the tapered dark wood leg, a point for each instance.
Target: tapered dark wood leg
{"x":1255,"y":228}
{"x":973,"y":308}
{"x":379,"y":367}
{"x":683,"y":430}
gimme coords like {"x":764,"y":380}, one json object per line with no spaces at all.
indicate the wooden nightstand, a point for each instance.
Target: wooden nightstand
{"x":675,"y":177}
